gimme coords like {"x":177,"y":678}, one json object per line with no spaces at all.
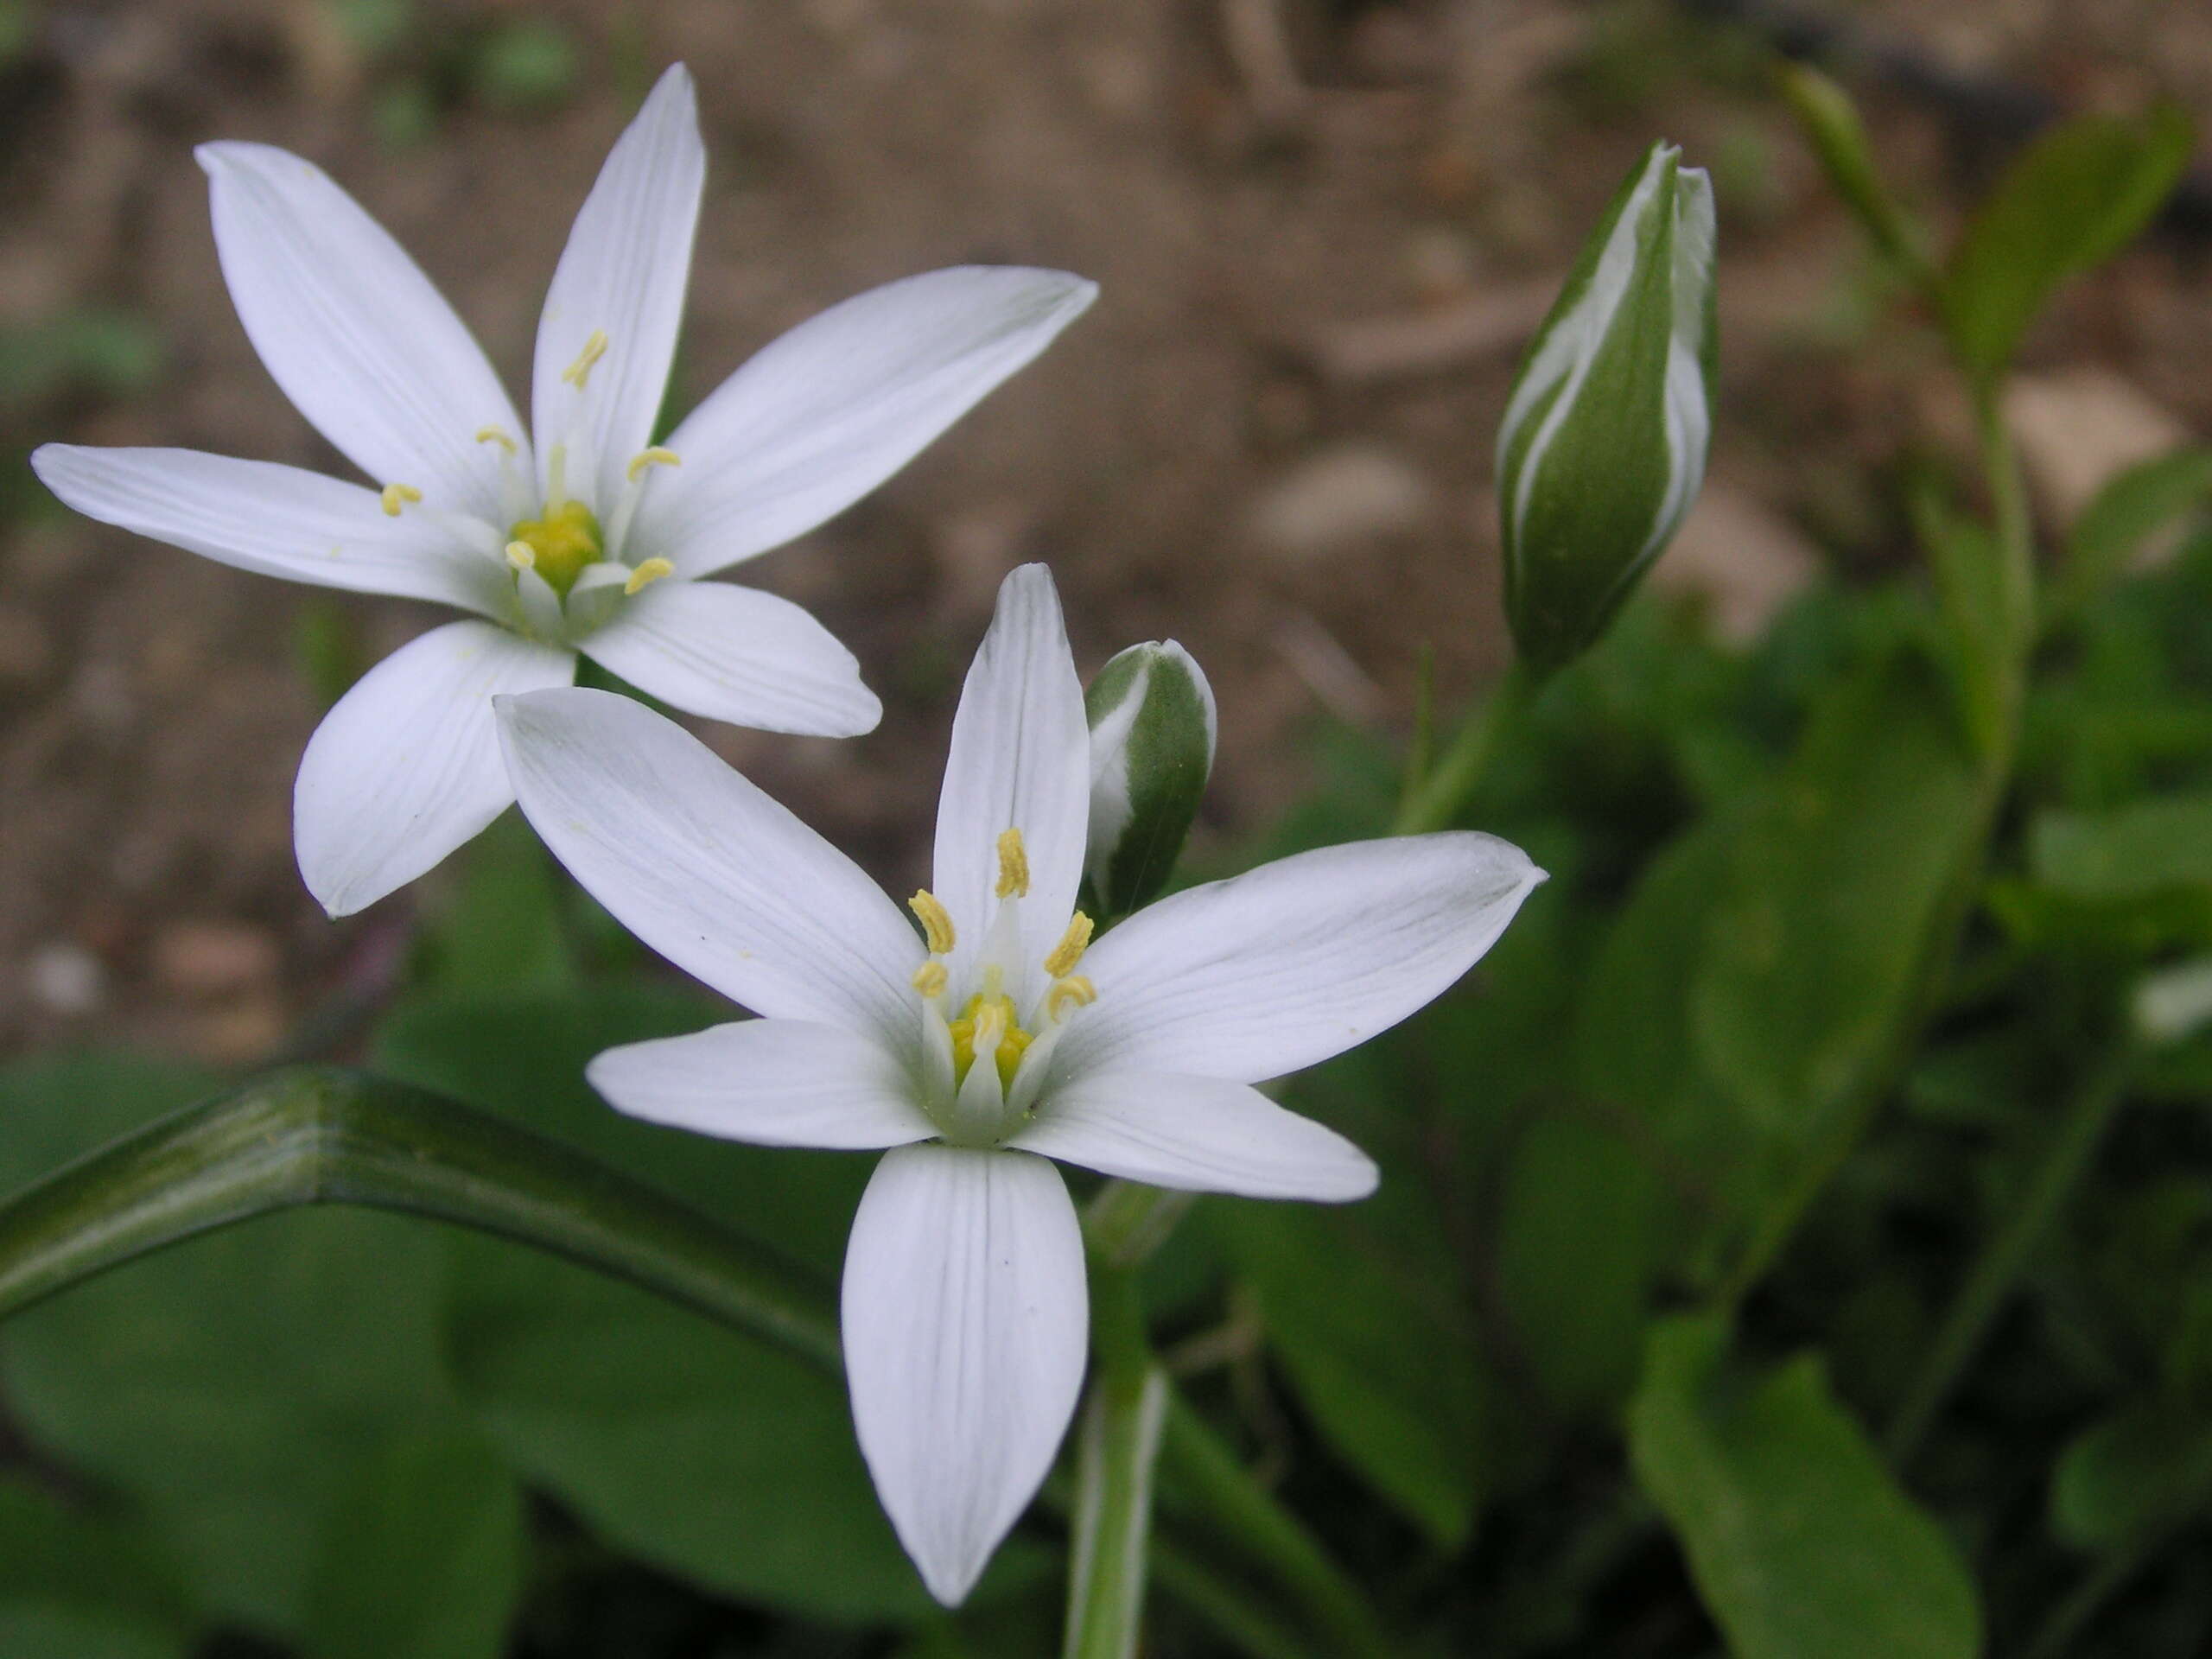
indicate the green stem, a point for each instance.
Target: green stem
{"x":1436,"y":799}
{"x":1118,"y":1441}
{"x":1245,"y":1515}
{"x":314,"y":1135}
{"x":2007,"y":1252}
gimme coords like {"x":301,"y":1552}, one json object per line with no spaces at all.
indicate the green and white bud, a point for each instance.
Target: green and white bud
{"x":1152,"y":740}
{"x":1603,"y":441}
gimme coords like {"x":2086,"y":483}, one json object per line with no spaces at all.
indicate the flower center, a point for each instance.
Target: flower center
{"x":983,"y":1070}
{"x":992,"y":1017}
{"x":560,"y":545}
{"x":584,"y":562}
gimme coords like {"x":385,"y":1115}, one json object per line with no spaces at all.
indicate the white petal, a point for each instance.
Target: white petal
{"x":964,"y":1319}
{"x":407,"y":766}
{"x":1020,"y":760}
{"x":775,"y":1082}
{"x":622,"y":273}
{"x":1202,"y":1135}
{"x":736,"y":654}
{"x":825,"y":414}
{"x":1262,"y":974}
{"x":708,"y":871}
{"x":276,"y":521}
{"x":353,"y":332}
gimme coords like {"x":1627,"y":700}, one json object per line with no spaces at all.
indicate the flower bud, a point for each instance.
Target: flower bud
{"x":1152,"y":737}
{"x":1603,"y":445}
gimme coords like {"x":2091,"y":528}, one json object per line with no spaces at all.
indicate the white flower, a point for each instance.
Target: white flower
{"x":588,"y":538}
{"x":998,"y":1040}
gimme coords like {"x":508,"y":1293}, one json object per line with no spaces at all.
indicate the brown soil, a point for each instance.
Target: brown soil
{"x":1211,"y":454}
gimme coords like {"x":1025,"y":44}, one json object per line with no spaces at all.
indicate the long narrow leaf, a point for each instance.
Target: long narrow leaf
{"x":320,"y":1134}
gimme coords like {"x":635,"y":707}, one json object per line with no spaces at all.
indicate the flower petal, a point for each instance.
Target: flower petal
{"x":826,"y":413}
{"x":1262,"y":974}
{"x":276,"y":521}
{"x":1201,"y":1135}
{"x":406,"y":767}
{"x":622,"y":274}
{"x":736,"y":654}
{"x":708,"y":871}
{"x":353,"y":332}
{"x":774,"y":1083}
{"x":964,"y":1322}
{"x":1019,"y":759}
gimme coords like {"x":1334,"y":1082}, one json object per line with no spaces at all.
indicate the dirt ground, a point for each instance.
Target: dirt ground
{"x":1322,"y":232}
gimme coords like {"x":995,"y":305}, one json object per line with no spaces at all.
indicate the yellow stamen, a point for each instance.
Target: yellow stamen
{"x":393,"y":495}
{"x":579,"y":370}
{"x":496,"y":434}
{"x":1074,"y":992}
{"x":1013,"y":866}
{"x":522,"y":555}
{"x":935,"y":920}
{"x":651,"y":571}
{"x":1069,"y":951}
{"x":929,"y":979}
{"x":655,"y":456}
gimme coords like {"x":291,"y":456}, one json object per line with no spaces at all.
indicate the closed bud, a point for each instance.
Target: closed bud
{"x":1604,"y":443}
{"x":1152,"y":737}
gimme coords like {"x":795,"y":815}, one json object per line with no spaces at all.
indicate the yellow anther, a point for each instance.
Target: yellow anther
{"x":1076,"y":991}
{"x":393,"y":495}
{"x":655,"y":456}
{"x":496,"y":434}
{"x":929,"y":979}
{"x":522,"y":555}
{"x":579,"y":370}
{"x":1069,"y":951}
{"x":1013,"y":866}
{"x":651,"y":571}
{"x":935,"y":920}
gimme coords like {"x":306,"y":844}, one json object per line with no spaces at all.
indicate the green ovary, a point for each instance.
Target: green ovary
{"x":562,"y":542}
{"x":1011,"y":1043}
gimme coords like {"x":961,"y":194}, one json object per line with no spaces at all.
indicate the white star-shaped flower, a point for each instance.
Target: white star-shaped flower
{"x":576,"y":533}
{"x":998,"y":1040}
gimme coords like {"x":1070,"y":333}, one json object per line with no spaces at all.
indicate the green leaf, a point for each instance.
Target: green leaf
{"x":74,"y":1586}
{"x":224,"y":1389}
{"x":502,"y":930}
{"x":2075,"y":197}
{"x":1576,"y":1255}
{"x":1802,"y":1545}
{"x":1815,"y":953}
{"x":2143,"y":1468}
{"x":422,"y":1556}
{"x":2149,"y":847}
{"x":2124,"y":516}
{"x":705,"y":1453}
{"x":1634,"y":1048}
{"x":1363,"y":1305}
